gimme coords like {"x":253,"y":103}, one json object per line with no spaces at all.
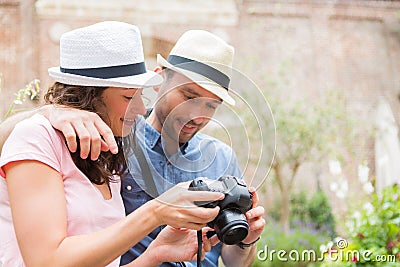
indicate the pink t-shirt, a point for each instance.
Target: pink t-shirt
{"x":87,"y":210}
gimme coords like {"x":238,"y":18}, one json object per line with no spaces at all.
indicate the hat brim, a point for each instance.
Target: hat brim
{"x":199,"y":79}
{"x":146,"y":79}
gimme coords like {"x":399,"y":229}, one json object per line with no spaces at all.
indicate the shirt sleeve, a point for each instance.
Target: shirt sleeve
{"x":32,"y":139}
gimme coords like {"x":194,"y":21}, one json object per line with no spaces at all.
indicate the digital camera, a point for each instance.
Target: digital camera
{"x":230,"y":225}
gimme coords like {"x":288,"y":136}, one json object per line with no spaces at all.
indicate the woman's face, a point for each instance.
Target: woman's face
{"x":122,"y":106}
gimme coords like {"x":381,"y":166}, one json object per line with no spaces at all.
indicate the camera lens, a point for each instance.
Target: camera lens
{"x":231,"y":226}
{"x":233,"y":232}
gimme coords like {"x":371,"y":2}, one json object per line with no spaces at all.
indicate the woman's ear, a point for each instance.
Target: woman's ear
{"x":158,"y":70}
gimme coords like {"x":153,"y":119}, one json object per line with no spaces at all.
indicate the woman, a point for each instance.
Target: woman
{"x":59,"y":210}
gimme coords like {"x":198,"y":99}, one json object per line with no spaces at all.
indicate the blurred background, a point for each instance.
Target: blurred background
{"x":318,"y":133}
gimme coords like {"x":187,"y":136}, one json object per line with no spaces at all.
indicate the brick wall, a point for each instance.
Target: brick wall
{"x":9,"y":38}
{"x":308,"y":47}
{"x":18,"y":43}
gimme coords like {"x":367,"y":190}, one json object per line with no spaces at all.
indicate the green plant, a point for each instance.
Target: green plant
{"x":378,"y":227}
{"x":30,"y":91}
{"x":314,"y":212}
{"x":320,"y":213}
{"x":374,"y":229}
{"x":298,"y":207}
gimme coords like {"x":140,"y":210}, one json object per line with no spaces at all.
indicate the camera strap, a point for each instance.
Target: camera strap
{"x":153,"y":192}
{"x":199,"y":246}
{"x":146,"y":173}
{"x":149,"y":181}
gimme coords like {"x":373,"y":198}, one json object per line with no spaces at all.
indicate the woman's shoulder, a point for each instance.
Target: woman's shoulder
{"x":33,"y":139}
{"x":36,"y":121}
{"x":35,"y":130}
{"x":36,"y":126}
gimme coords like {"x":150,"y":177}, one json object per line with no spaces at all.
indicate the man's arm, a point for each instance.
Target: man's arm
{"x":241,"y":257}
{"x":237,"y":257}
{"x":8,"y":125}
{"x":93,"y":133}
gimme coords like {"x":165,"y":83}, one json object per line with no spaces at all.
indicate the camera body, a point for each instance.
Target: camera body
{"x":230,"y":224}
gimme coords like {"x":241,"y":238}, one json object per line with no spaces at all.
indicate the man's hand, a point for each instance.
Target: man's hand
{"x":93,"y":133}
{"x":234,"y":255}
{"x":255,"y":219}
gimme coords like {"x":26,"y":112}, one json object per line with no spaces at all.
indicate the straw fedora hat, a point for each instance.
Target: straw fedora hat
{"x":108,"y":53}
{"x":205,"y":59}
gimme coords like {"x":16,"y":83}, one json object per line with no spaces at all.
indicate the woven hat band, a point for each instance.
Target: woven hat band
{"x":200,"y":68}
{"x":109,"y":72}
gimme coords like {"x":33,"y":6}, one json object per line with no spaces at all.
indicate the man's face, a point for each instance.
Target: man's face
{"x":183,"y":108}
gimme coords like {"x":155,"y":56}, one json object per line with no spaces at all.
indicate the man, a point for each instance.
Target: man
{"x":192,"y":90}
{"x":186,"y":102}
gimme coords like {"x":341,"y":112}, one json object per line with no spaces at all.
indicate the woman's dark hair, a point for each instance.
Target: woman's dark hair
{"x":89,"y":98}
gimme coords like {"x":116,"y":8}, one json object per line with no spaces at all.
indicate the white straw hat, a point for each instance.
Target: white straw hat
{"x":108,"y":53}
{"x":204,"y":58}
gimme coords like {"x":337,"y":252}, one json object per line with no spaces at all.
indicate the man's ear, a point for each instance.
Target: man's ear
{"x":158,"y":70}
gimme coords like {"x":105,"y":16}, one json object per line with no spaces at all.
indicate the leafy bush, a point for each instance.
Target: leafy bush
{"x":374,"y":230}
{"x":315,"y":212}
{"x":298,"y":208}
{"x":320,"y":213}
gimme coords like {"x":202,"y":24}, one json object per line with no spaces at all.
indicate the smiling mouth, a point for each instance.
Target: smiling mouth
{"x":189,"y":129}
{"x":129,"y":121}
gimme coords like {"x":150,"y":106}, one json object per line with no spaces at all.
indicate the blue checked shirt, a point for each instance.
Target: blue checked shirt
{"x":202,"y":156}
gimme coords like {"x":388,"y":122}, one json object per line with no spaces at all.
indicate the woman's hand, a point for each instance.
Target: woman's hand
{"x":176,"y":245}
{"x":176,"y":207}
